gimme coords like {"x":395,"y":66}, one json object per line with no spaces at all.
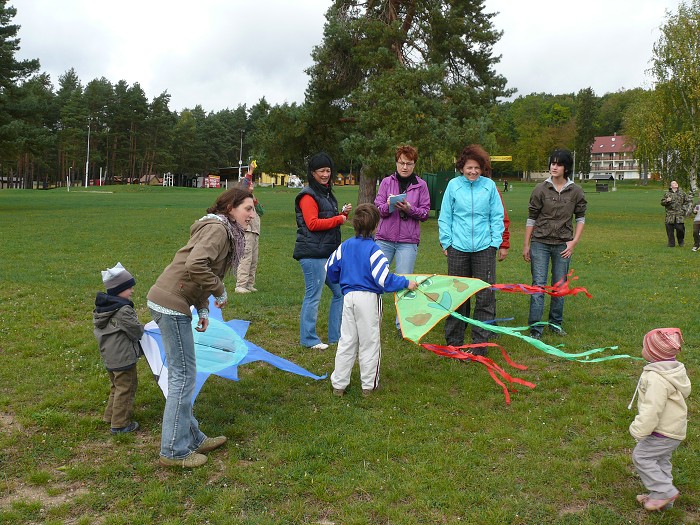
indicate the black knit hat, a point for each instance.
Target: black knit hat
{"x":117,"y":279}
{"x":320,"y":160}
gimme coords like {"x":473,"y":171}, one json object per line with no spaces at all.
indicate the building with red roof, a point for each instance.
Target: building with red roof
{"x":612,"y":157}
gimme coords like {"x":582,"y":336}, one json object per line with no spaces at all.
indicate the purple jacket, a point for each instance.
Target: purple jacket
{"x":392,"y":227}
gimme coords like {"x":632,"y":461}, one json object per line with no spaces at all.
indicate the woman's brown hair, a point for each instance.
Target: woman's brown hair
{"x":231,"y":198}
{"x":477,"y":153}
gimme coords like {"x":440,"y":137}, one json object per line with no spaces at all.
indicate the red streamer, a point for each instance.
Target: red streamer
{"x":456,"y":352}
{"x":558,"y":289}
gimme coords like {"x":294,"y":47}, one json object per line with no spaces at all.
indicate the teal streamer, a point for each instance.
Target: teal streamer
{"x":540,"y":345}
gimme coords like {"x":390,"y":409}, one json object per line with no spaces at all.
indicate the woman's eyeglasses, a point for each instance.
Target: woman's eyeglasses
{"x":406,"y":164}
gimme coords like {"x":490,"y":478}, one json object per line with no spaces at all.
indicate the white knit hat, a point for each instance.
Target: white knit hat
{"x":117,"y":279}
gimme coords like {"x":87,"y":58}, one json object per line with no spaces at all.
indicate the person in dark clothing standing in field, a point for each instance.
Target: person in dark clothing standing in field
{"x":677,"y":204}
{"x":318,"y":235}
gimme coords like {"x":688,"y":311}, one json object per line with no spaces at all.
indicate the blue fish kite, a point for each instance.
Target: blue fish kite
{"x":219,"y":351}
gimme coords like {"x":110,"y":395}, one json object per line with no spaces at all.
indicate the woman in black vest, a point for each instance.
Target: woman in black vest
{"x":318,"y":235}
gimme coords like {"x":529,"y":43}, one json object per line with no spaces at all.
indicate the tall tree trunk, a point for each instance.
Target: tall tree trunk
{"x":368,"y":187}
{"x":132,"y":154}
{"x":114,"y":157}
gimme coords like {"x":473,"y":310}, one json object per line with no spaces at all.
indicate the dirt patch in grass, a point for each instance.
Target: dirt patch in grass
{"x":63,"y":493}
{"x":575,"y":508}
{"x":8,"y":423}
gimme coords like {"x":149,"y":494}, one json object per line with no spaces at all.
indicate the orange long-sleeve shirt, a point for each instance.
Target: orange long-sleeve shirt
{"x":309,"y":209}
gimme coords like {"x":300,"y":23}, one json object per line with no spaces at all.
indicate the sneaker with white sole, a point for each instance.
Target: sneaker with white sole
{"x":319,"y":346}
{"x":695,"y":248}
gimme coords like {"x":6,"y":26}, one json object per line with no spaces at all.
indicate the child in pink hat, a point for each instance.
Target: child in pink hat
{"x":662,"y":417}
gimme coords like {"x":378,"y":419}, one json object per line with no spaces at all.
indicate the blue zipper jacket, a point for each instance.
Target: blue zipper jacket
{"x":471,"y":217}
{"x":360,"y":265}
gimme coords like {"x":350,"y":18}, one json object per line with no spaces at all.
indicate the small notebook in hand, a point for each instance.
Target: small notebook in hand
{"x":394,"y":199}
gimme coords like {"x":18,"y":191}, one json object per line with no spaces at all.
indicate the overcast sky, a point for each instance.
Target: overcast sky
{"x":222,"y":53}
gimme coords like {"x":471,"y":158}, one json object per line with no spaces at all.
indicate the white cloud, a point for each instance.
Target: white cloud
{"x":222,"y":53}
{"x":561,"y":47}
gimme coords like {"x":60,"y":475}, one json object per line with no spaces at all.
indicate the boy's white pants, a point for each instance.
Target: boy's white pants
{"x":359,"y":335}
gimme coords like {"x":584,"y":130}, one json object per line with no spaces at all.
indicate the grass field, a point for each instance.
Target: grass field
{"x":436,"y":445}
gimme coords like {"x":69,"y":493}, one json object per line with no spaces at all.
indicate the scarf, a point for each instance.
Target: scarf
{"x":236,"y":236}
{"x":404,"y":183}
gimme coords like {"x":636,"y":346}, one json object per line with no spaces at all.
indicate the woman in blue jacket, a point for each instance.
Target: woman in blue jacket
{"x":471,"y":231}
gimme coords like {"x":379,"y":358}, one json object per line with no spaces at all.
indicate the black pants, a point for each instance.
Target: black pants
{"x":480,"y":265}
{"x":679,"y":228}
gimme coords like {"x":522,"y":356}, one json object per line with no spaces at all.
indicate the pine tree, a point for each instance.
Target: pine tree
{"x":395,"y":71}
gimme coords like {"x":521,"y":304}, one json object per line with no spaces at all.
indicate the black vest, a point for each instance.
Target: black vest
{"x":320,"y":244}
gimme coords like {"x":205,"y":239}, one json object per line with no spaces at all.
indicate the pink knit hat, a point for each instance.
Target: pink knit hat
{"x":662,"y":344}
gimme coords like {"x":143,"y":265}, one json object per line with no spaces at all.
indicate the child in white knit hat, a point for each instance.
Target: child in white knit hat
{"x":118,"y":332}
{"x":662,"y":417}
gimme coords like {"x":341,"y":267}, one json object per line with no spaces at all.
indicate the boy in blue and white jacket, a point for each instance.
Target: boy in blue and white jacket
{"x":362,"y":271}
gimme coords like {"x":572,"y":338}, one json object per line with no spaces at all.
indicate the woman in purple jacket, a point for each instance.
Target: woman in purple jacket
{"x":399,"y":229}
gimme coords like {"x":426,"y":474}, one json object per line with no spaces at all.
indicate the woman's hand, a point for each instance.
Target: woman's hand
{"x":403,"y":206}
{"x":526,"y":253}
{"x":202,"y":324}
{"x":569,"y":250}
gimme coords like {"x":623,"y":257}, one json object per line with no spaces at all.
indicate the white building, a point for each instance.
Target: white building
{"x":613,"y":158}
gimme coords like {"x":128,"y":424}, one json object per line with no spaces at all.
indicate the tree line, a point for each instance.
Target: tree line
{"x":387,"y":72}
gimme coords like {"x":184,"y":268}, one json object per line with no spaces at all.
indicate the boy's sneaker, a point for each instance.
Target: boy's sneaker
{"x":536,"y":335}
{"x":210,"y":444}
{"x":367,"y":392}
{"x":695,"y":248}
{"x":131,"y":427}
{"x":192,"y":460}
{"x":339,"y":392}
{"x":319,"y":346}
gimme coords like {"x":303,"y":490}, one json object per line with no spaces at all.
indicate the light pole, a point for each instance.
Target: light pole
{"x":240,"y":157}
{"x":87,"y":160}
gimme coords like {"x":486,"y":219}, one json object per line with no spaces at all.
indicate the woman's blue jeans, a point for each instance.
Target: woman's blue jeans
{"x":540,"y":257}
{"x":314,"y":277}
{"x":180,"y":435}
{"x":404,"y":253}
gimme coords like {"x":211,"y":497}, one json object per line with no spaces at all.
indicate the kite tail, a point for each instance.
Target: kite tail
{"x":558,"y":289}
{"x":540,"y":345}
{"x":494,"y":370}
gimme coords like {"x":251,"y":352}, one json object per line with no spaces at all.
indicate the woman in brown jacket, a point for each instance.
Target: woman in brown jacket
{"x":196,"y":272}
